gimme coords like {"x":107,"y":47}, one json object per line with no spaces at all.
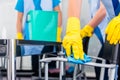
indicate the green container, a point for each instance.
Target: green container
{"x":43,"y":25}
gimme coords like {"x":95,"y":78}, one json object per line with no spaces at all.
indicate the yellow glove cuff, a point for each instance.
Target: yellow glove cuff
{"x":59,"y":30}
{"x":19,"y":36}
{"x":73,"y":24}
{"x":87,"y":31}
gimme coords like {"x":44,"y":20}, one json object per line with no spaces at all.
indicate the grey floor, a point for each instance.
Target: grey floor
{"x":30,"y":77}
{"x":35,"y":78}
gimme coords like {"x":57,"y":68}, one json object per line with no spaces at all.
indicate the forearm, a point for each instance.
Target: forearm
{"x":19,"y":22}
{"x":59,"y":15}
{"x":19,"y":27}
{"x":59,"y":29}
{"x":74,"y":8}
{"x":60,"y":18}
{"x":99,"y":16}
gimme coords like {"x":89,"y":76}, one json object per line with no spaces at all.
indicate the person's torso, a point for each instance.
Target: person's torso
{"x":46,"y":5}
{"x":111,"y":8}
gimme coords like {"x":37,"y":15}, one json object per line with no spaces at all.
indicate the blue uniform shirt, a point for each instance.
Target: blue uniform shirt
{"x":20,"y":4}
{"x":20,"y":7}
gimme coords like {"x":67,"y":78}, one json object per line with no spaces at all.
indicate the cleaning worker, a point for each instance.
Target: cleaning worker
{"x":96,"y":9}
{"x":23,"y":7}
{"x":113,"y":8}
{"x":113,"y":28}
{"x":70,"y":42}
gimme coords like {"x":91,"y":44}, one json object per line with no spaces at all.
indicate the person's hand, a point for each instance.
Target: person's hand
{"x":59,"y":30}
{"x":113,"y":30}
{"x":19,"y":35}
{"x":72,"y":42}
{"x":87,"y":31}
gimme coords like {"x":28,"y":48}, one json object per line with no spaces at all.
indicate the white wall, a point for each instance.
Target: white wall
{"x":7,"y":18}
{"x":8,"y":26}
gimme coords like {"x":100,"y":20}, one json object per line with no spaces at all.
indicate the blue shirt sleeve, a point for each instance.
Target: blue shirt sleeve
{"x":20,"y":6}
{"x":56,"y":3}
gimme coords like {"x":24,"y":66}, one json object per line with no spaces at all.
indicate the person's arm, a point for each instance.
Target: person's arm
{"x":99,"y":16}
{"x":19,"y":25}
{"x":19,"y":22}
{"x":74,"y":8}
{"x":57,"y":8}
{"x":59,"y":29}
{"x":88,"y":29}
{"x":72,"y":41}
{"x":20,"y":10}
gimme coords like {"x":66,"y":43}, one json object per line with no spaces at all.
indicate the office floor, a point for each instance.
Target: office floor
{"x":28,"y":76}
{"x":35,"y":78}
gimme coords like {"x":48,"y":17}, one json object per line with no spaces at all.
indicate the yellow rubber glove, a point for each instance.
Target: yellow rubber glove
{"x":19,"y":35}
{"x":72,"y":42}
{"x":87,"y":31}
{"x":113,"y":30}
{"x":59,"y":30}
